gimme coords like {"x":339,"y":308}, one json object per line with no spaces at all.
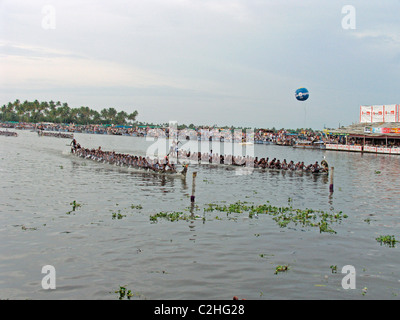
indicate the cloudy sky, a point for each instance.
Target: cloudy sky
{"x":224,"y":62}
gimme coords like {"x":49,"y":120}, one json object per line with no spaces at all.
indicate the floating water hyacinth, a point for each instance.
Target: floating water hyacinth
{"x":171,"y":216}
{"x":118,"y":215}
{"x":387,"y":240}
{"x":280,"y":268}
{"x":139,"y":206}
{"x":123,"y":292}
{"x":74,"y":205}
{"x":283,"y":216}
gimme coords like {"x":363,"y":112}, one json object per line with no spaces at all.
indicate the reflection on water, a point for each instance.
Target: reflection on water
{"x":210,"y":257}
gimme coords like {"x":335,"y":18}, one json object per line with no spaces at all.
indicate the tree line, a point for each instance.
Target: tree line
{"x":57,"y":112}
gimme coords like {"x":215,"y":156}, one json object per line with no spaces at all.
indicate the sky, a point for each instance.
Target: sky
{"x":206,"y":62}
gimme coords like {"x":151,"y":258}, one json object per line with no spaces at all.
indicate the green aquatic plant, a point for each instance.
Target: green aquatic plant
{"x":118,"y":215}
{"x":75,"y":205}
{"x":364,"y":291}
{"x":172,"y":216}
{"x":237,"y":207}
{"x":124,"y":293}
{"x":333,"y":268}
{"x":387,"y":240}
{"x":139,"y":206}
{"x":280,"y":268}
{"x":265,"y":255}
{"x":283,"y":215}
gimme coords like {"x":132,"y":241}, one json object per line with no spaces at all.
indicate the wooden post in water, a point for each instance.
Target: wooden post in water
{"x":331,"y":184}
{"x":193,"y":186}
{"x":192,"y":197}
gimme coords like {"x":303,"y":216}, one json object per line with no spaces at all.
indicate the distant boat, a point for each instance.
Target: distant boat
{"x":305,"y":144}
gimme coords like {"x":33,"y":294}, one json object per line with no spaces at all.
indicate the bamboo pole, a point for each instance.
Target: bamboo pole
{"x":192,"y":197}
{"x":331,"y":183}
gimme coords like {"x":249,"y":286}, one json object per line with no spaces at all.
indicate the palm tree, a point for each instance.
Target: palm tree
{"x":112,"y":113}
{"x":51,"y":111}
{"x":104,"y":115}
{"x":121,"y":117}
{"x":64,"y":113}
{"x":132,"y":116}
{"x":95,"y":116}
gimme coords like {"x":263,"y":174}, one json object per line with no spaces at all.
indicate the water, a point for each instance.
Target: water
{"x":218,"y":258}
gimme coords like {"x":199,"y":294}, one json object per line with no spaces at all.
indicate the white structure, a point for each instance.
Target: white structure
{"x":380,"y":113}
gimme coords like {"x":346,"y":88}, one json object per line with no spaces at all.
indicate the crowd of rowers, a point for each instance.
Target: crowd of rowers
{"x":120,"y":159}
{"x":254,"y":162}
{"x":164,"y":165}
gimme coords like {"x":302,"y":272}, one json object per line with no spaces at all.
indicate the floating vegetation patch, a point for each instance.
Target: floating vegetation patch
{"x":124,"y":293}
{"x":283,"y":216}
{"x":265,"y":255}
{"x":139,"y":206}
{"x":172,"y":216}
{"x":26,"y":228}
{"x":390,"y":241}
{"x":75,"y":205}
{"x":280,"y":268}
{"x":118,"y":215}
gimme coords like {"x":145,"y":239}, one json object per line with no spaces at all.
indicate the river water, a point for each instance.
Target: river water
{"x":215,"y":256}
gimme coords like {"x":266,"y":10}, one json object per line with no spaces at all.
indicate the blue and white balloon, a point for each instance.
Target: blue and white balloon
{"x":302,"y":94}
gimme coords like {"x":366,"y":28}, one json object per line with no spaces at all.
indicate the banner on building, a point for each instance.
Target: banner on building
{"x":390,"y":113}
{"x":366,"y":114}
{"x":379,"y":113}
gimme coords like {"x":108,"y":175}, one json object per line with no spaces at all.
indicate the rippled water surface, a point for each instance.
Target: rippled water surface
{"x":215,"y":256}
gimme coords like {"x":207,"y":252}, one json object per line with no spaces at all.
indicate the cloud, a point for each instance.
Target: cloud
{"x":39,"y":66}
{"x":380,"y":37}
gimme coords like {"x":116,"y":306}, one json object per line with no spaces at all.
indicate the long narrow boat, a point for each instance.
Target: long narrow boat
{"x":57,"y":134}
{"x":8,"y":133}
{"x":246,"y":168}
{"x":132,"y":168}
{"x":319,"y":145}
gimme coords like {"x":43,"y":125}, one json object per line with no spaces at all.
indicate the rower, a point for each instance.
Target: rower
{"x":272,"y":163}
{"x":73,"y":143}
{"x":316,"y":166}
